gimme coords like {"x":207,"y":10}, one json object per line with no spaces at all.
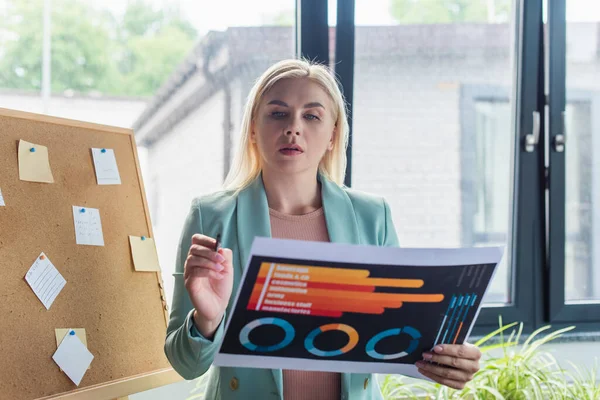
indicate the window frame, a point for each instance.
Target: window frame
{"x":536,"y":243}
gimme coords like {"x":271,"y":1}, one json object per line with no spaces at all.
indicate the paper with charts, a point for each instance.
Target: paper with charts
{"x":45,"y":280}
{"x":349,"y":308}
{"x":105,"y":164}
{"x":88,"y":227}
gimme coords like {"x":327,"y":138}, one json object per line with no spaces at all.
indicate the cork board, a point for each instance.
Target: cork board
{"x":122,"y":311}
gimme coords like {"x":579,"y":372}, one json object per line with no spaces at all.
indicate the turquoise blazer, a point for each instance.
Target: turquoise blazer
{"x":351,"y":216}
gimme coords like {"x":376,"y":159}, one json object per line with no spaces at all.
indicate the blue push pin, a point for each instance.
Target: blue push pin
{"x":143,"y":237}
{"x":103,"y":150}
{"x":72,"y":333}
{"x":32,"y":149}
{"x":82,"y":210}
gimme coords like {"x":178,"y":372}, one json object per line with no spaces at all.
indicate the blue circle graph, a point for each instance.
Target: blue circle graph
{"x":249,"y":327}
{"x":412,"y":346}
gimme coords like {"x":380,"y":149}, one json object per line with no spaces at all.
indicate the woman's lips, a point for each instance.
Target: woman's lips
{"x":290,"y":152}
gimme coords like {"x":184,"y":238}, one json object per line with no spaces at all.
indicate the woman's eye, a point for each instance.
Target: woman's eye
{"x":278,"y":114}
{"x":311,"y":117}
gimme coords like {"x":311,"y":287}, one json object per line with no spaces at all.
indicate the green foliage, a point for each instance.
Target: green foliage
{"x":93,"y":49}
{"x":521,"y":371}
{"x":450,"y":11}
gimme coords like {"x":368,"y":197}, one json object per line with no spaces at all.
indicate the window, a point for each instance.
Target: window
{"x":443,"y":96}
{"x":444,"y":189}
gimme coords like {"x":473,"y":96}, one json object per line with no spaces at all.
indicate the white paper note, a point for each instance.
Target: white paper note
{"x":73,"y":358}
{"x":107,"y":172}
{"x":45,"y":280}
{"x":88,"y":228}
{"x":1,"y":199}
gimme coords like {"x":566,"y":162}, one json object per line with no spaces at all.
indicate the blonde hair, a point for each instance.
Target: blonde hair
{"x":246,"y":164}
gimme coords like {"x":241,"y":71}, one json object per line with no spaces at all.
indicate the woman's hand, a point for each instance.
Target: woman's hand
{"x":208,"y":279}
{"x":457,"y":364}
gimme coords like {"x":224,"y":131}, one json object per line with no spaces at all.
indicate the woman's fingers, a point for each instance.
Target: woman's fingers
{"x":463,"y":351}
{"x":201,"y":251}
{"x":445,"y":372}
{"x":200,"y":272}
{"x":203,"y":240}
{"x":464,"y":364}
{"x":194,"y":263}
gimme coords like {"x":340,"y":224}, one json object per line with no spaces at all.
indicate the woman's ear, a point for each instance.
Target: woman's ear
{"x":252,"y":133}
{"x":330,"y":145}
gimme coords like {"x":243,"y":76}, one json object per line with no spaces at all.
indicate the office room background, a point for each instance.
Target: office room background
{"x":478,"y":120}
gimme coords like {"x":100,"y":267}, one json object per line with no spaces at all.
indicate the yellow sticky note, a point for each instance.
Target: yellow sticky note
{"x":60,"y":334}
{"x":34,"y":165}
{"x":143,"y":251}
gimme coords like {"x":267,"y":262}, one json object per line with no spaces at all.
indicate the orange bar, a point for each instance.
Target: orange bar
{"x":264,"y":269}
{"x":337,"y":275}
{"x":456,"y":337}
{"x":391,"y":282}
{"x":311,"y":271}
{"x":299,"y":298}
{"x":404,"y":297}
{"x":256,"y":293}
{"x":351,"y":280}
{"x":348,"y":307}
{"x":325,"y":306}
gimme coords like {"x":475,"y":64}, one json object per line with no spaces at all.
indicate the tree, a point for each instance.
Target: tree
{"x":282,"y":18}
{"x":79,"y":47}
{"x":450,"y":11}
{"x":92,"y":49}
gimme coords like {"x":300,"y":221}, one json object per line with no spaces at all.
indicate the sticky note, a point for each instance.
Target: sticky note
{"x":60,"y":334}
{"x":105,"y":163}
{"x":88,"y":227}
{"x":45,"y":280}
{"x":34,"y":165}
{"x":73,"y":357}
{"x":1,"y":199}
{"x":143,"y":251}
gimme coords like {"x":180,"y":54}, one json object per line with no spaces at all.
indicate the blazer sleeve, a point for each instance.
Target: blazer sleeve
{"x":190,"y":354}
{"x":390,"y":237}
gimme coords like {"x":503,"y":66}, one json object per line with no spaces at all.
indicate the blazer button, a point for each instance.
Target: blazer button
{"x":233,"y":383}
{"x":366,"y":383}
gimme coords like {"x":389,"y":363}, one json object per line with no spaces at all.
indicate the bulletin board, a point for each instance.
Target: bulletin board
{"x":122,"y":310}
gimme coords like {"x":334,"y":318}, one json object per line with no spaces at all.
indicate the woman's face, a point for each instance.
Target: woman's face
{"x":294,"y":126}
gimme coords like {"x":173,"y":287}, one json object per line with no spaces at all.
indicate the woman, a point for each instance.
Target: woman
{"x":287,"y":182}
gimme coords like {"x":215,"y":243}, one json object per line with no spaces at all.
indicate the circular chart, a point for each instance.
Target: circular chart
{"x":309,"y":342}
{"x":250,"y":326}
{"x":412,"y":346}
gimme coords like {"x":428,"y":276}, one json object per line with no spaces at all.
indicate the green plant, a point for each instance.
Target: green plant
{"x":521,"y":371}
{"x":584,"y":386}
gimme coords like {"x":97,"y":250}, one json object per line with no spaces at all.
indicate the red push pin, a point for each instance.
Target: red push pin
{"x":42,"y":257}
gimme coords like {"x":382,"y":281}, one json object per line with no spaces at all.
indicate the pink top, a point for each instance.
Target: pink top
{"x":305,"y":385}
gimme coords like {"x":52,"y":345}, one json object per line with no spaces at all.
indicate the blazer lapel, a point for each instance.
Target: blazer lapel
{"x":252,"y":218}
{"x":339,"y":213}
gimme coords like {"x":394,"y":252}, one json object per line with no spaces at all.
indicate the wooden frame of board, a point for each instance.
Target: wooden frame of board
{"x":123,"y":311}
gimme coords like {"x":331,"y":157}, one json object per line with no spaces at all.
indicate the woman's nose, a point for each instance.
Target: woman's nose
{"x":294,"y":126}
